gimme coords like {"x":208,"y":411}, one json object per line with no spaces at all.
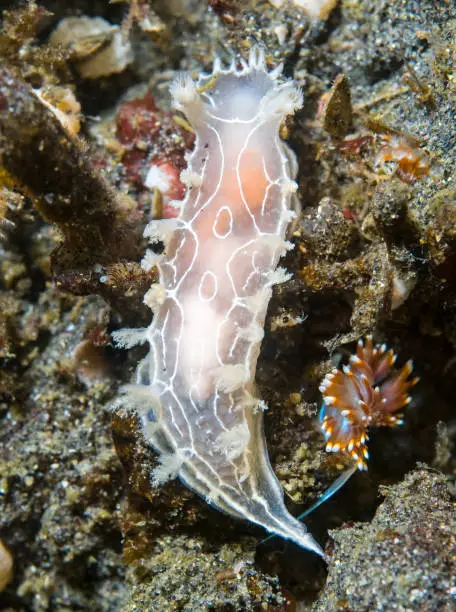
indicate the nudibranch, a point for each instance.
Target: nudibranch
{"x":368,"y":392}
{"x":195,"y":391}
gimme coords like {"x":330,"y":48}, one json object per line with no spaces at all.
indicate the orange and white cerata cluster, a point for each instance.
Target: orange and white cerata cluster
{"x":368,"y":392}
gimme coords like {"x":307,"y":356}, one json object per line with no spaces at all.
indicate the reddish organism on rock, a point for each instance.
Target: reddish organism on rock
{"x":353,"y":146}
{"x":163,"y":178}
{"x":389,"y":151}
{"x":410,"y":163}
{"x":226,"y":9}
{"x":154,"y":146}
{"x":366,"y":393}
{"x":137,"y":125}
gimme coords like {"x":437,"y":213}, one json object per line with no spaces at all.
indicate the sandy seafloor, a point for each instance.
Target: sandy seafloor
{"x":375,"y":253}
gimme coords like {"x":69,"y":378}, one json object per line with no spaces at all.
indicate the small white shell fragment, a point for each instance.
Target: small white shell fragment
{"x":281,"y":32}
{"x":62,"y":102}
{"x":317,"y":9}
{"x":402,"y":287}
{"x":156,"y":177}
{"x":83,"y":33}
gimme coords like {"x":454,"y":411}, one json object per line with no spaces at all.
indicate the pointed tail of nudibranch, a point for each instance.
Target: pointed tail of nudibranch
{"x":271,"y":514}
{"x":259,"y":498}
{"x":296,"y":532}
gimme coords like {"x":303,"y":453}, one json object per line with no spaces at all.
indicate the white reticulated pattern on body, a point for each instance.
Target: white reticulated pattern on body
{"x":216,"y":273}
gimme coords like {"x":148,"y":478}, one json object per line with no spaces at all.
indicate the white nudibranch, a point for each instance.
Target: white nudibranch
{"x":216,"y":272}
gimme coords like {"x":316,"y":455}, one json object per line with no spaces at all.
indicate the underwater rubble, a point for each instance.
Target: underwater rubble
{"x":90,"y":150}
{"x":404,"y":559}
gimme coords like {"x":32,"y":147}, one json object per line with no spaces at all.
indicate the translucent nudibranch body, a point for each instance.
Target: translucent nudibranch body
{"x":195,"y":391}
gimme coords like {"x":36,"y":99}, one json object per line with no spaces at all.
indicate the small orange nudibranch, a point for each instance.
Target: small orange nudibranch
{"x":368,"y":392}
